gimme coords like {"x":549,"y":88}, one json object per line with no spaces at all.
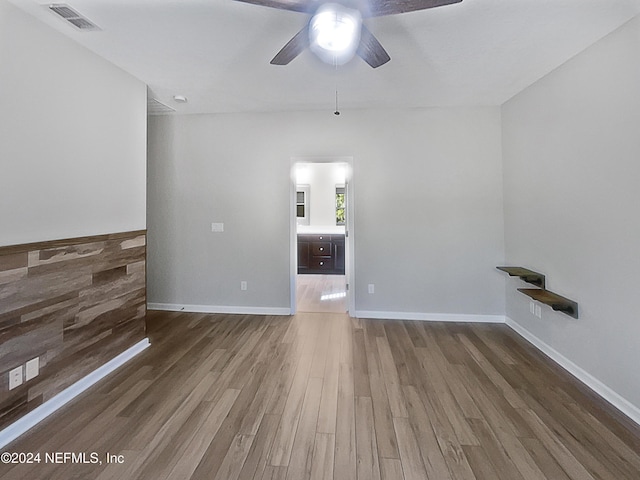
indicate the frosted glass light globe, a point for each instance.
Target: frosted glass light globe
{"x":334,"y":33}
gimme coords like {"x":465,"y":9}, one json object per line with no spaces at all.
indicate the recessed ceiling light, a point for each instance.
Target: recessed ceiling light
{"x":180,"y":98}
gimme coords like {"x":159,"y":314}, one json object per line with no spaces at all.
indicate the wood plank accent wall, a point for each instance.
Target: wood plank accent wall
{"x":74,"y":303}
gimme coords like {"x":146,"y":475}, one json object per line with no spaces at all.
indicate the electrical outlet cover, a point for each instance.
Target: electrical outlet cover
{"x":32,"y":369}
{"x":538,"y":311}
{"x":15,"y":377}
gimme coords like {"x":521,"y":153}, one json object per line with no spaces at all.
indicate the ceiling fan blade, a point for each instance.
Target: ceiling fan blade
{"x":380,"y":8}
{"x":293,"y":48}
{"x":370,"y":49}
{"x":303,"y":6}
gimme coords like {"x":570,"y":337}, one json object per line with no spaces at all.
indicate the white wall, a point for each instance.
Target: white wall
{"x":73,"y":130}
{"x":427,"y":193}
{"x":322,"y":179}
{"x":572,"y":193}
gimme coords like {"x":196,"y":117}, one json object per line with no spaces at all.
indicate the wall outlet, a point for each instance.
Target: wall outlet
{"x":217,"y":227}
{"x":15,"y":377}
{"x":243,"y":285}
{"x":32,"y":369}
{"x":372,"y":288}
{"x":538,"y":311}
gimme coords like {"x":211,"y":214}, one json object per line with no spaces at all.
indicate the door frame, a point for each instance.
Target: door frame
{"x":349,"y":227}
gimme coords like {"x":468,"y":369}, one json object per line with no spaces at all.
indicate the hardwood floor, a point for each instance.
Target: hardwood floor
{"x":322,"y":293}
{"x":325,"y":396}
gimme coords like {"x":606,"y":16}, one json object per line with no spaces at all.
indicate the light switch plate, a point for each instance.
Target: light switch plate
{"x":538,"y":311}
{"x":32,"y":369}
{"x":217,"y":227}
{"x":15,"y":377}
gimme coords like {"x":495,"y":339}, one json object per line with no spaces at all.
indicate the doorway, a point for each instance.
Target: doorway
{"x":321,"y":234}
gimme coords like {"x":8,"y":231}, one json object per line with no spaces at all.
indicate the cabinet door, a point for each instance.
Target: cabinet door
{"x":338,"y":255}
{"x":303,"y":255}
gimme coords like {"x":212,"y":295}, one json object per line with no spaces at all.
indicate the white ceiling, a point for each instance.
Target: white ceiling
{"x":217,"y":52}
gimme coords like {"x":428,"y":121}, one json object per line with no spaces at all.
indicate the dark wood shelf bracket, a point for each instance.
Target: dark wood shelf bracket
{"x":526,"y":275}
{"x":555,"y":301}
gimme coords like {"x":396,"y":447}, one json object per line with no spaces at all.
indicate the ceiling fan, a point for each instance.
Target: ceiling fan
{"x":335,"y":31}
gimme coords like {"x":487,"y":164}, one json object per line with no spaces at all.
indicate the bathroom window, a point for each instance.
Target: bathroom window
{"x":302,"y":204}
{"x":340,"y":205}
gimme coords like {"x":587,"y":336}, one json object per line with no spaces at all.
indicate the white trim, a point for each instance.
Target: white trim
{"x":619,"y":402}
{"x":293,"y":241}
{"x":175,"y":307}
{"x":350,"y":252}
{"x":35,"y":416}
{"x":349,"y":228}
{"x":431,"y":317}
{"x":321,"y":159}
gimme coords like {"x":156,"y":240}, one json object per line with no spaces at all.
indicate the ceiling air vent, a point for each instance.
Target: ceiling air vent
{"x":154,"y":107}
{"x":73,"y":17}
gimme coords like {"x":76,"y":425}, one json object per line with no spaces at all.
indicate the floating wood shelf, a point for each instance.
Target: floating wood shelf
{"x":529,"y":276}
{"x":558,"y":303}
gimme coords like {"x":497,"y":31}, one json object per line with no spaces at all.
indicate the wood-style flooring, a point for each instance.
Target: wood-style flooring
{"x":321,"y":293}
{"x":325,"y":396}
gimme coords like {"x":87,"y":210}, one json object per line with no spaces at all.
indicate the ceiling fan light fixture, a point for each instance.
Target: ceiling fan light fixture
{"x":334,"y":33}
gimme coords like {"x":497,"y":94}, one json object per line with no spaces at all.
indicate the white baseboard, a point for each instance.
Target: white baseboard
{"x":35,"y":416}
{"x":431,"y":317}
{"x":622,"y":404}
{"x":174,"y":307}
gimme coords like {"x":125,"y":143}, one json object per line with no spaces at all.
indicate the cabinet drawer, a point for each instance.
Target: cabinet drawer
{"x":319,"y":263}
{"x":314,"y":238}
{"x":320,"y":249}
